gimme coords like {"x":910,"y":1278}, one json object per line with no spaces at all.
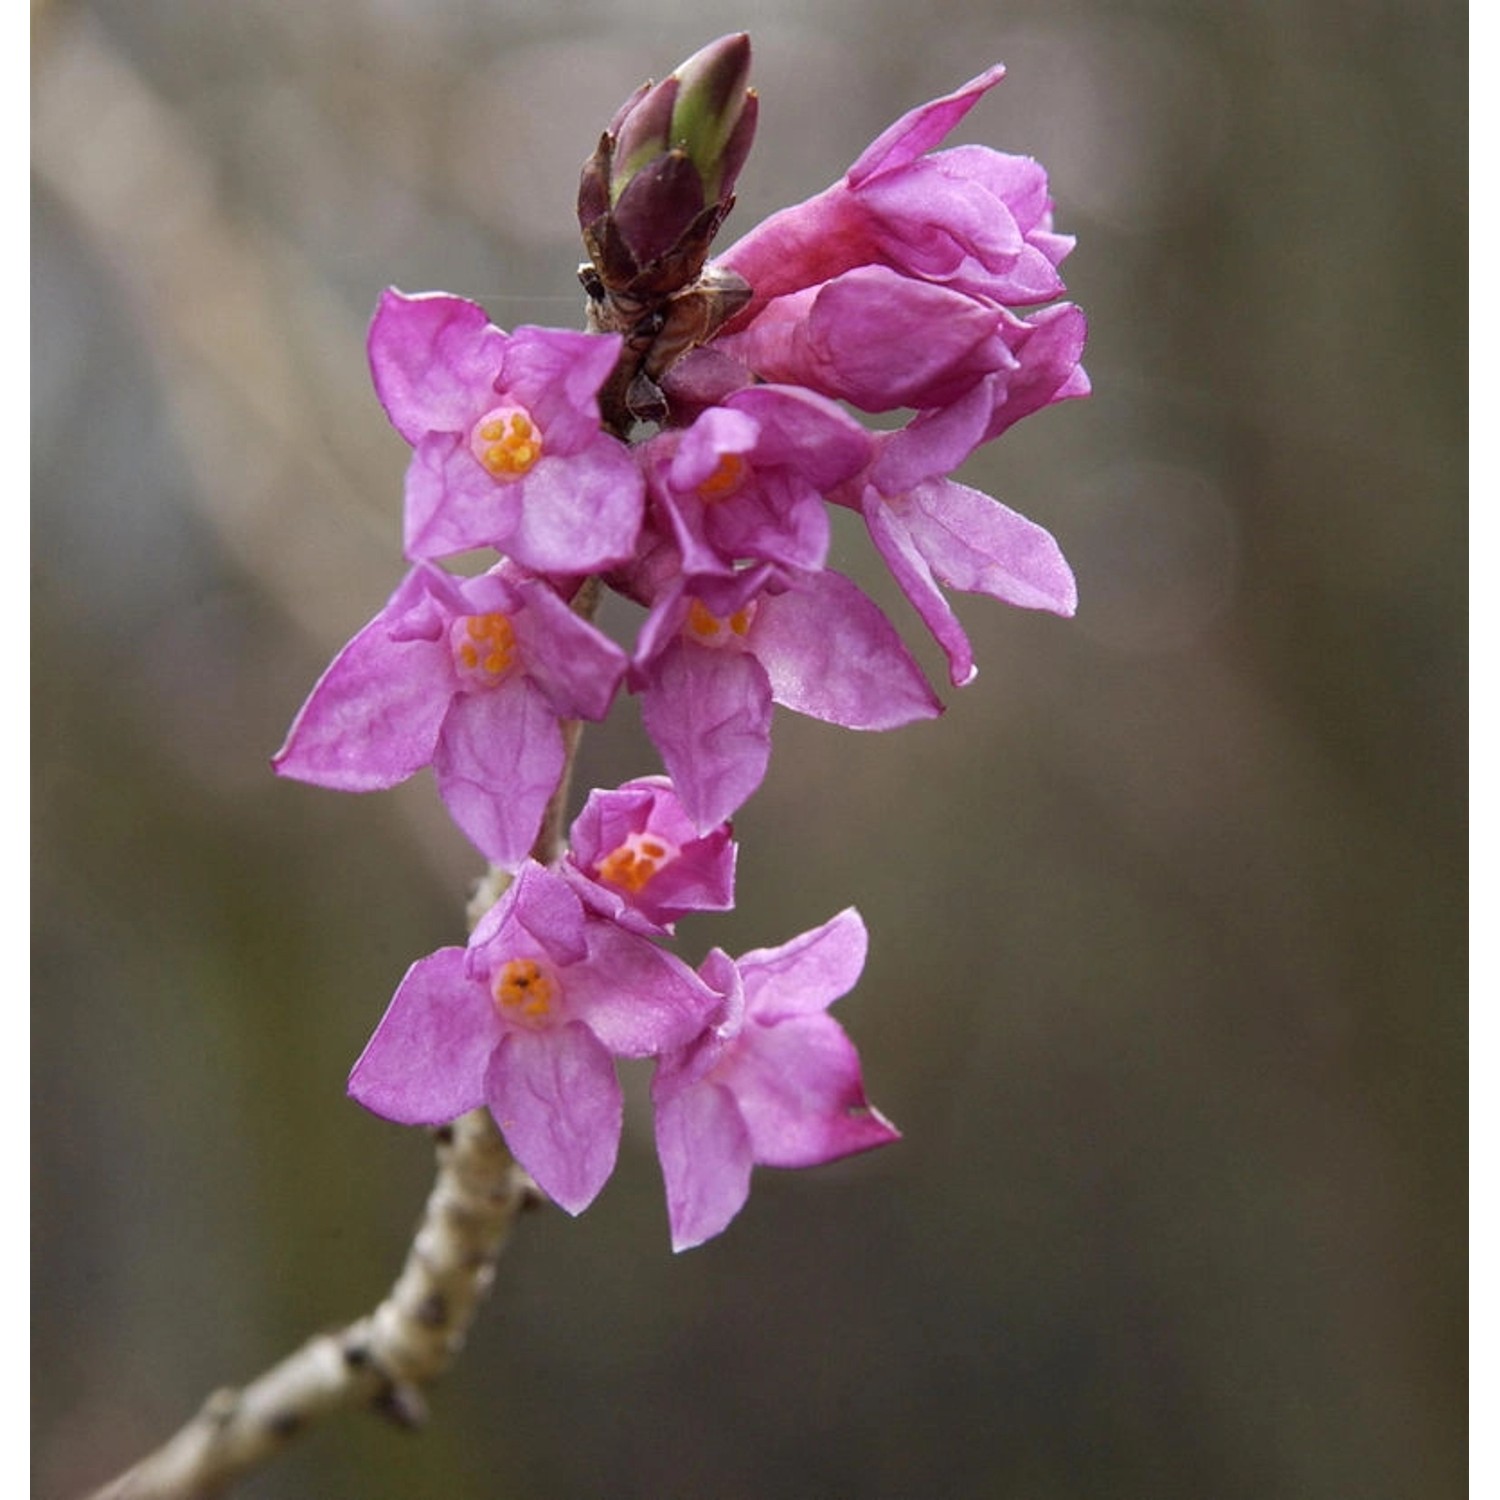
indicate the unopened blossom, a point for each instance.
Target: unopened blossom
{"x":746,"y":480}
{"x":527,"y":1021}
{"x":877,"y":339}
{"x":969,"y":218}
{"x":773,"y":1081}
{"x":716,"y":653}
{"x":469,"y":676}
{"x":635,"y":856}
{"x":656,"y":189}
{"x":908,"y":284}
{"x":508,"y":451}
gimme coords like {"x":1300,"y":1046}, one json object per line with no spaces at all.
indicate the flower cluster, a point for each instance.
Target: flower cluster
{"x":684,"y":453}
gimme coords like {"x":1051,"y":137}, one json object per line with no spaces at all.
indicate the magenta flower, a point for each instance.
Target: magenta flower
{"x":935,"y":533}
{"x":970,"y":218}
{"x":774,"y":1081}
{"x":507,"y":448}
{"x":716,"y":653}
{"x":747,"y":479}
{"x":526,"y":1021}
{"x":877,"y":339}
{"x":471,"y":677}
{"x":634,"y":856}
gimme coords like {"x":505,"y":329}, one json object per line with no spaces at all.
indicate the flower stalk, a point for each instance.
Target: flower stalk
{"x":381,"y":1362}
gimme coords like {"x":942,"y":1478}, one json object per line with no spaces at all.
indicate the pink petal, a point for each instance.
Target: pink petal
{"x":539,"y":914}
{"x":579,"y":513}
{"x":804,"y":432}
{"x":556,"y":374}
{"x":430,"y":356}
{"x":798,"y":1087}
{"x":934,"y":443}
{"x":705,"y":1155}
{"x":806,"y":975}
{"x":578,"y":667}
{"x":974,"y":543}
{"x":451,"y":500}
{"x":834,"y":231}
{"x":708,"y":713}
{"x":557,"y":1101}
{"x":719,"y":431}
{"x":639,"y":1000}
{"x":832,"y":654}
{"x":425,"y":1064}
{"x":922,"y":128}
{"x":941,"y":221}
{"x":801,"y":246}
{"x":374,"y":716}
{"x":893,"y":540}
{"x":875,"y":338}
{"x":497,"y":763}
{"x":1019,"y":182}
{"x":1049,"y":367}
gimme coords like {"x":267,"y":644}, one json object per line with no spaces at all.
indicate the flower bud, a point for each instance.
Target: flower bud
{"x":713,"y":115}
{"x":653,"y":194}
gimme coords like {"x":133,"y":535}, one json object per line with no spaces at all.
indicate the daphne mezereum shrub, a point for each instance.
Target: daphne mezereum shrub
{"x":682,"y":452}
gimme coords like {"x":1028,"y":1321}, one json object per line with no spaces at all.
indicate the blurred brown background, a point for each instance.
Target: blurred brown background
{"x":1167,"y":974}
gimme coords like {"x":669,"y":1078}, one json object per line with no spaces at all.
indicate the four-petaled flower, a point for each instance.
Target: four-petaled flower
{"x":507,"y":448}
{"x":773,"y":1081}
{"x":968,"y":218}
{"x":527,"y":1021}
{"x":747,"y":480}
{"x":717,"y":652}
{"x":635,"y":856}
{"x":469,"y":676}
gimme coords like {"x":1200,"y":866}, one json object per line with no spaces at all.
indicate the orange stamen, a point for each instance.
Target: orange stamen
{"x":507,"y":442}
{"x":633,"y":864}
{"x":727,"y":477}
{"x":524,"y":991}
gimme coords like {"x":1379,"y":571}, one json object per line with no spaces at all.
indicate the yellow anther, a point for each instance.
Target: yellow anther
{"x":701,"y":621}
{"x":728,"y":475}
{"x":633,"y":864}
{"x":506,"y":442}
{"x":484,"y":646}
{"x":524,"y":991}
{"x":712,"y":630}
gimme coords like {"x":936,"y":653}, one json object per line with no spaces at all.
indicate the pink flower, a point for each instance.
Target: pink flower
{"x":935,"y":533}
{"x":969,"y":218}
{"x":774,"y":1080}
{"x":877,"y":339}
{"x":507,"y":448}
{"x":526,"y":1021}
{"x":634,"y":856}
{"x":895,"y":287}
{"x":747,"y":479}
{"x":471,"y":677}
{"x":715,"y":653}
